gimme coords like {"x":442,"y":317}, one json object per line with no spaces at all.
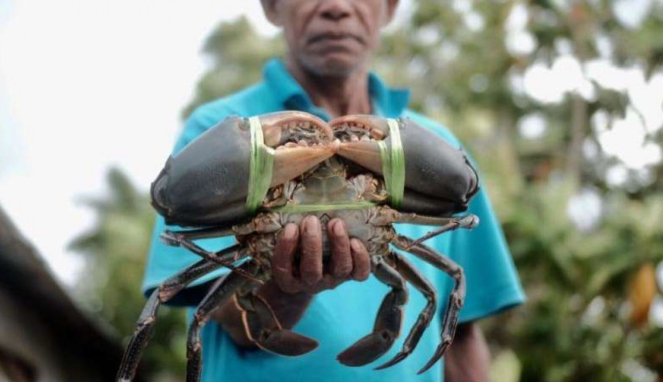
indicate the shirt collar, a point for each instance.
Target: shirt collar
{"x":387,"y":102}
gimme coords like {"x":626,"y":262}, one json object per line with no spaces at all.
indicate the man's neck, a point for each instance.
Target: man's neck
{"x":338,"y":95}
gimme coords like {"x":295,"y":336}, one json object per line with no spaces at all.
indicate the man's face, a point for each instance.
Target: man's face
{"x":331,"y":37}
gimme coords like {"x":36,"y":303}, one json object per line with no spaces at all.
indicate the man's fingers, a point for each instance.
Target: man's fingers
{"x":341,"y":258}
{"x":311,"y":248}
{"x":361,"y":260}
{"x":284,"y":255}
{"x":349,"y":257}
{"x":330,"y":282}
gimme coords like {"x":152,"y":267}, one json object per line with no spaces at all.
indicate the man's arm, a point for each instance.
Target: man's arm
{"x":468,"y":357}
{"x":293,"y":286}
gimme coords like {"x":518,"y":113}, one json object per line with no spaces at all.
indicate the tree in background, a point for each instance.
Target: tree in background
{"x":238,"y":54}
{"x":115,"y":251}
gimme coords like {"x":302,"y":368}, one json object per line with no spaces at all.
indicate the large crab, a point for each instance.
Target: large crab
{"x":249,"y":177}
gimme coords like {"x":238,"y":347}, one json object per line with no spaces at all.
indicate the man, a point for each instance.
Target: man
{"x":325,"y":72}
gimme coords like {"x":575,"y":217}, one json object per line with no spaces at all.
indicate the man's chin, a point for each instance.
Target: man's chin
{"x":333,"y":65}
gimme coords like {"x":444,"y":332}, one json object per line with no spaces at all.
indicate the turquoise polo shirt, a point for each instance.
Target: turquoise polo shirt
{"x":339,"y":317}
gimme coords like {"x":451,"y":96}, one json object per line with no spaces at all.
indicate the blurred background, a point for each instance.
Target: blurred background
{"x":560,"y":102}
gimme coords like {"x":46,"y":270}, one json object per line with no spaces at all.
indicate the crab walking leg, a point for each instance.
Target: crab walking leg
{"x":388,"y":321}
{"x":414,"y":277}
{"x":203,"y":233}
{"x":162,"y":294}
{"x":222,"y":290}
{"x":263,"y":328}
{"x":177,"y":239}
{"x":455,"y":300}
{"x":446,"y":224}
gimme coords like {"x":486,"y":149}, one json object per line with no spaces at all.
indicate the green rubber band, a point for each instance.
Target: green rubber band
{"x":393,"y":164}
{"x":262,"y":164}
{"x":305,"y":208}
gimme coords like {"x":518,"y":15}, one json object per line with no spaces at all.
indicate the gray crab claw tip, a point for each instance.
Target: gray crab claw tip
{"x":398,"y":358}
{"x":436,"y":357}
{"x":425,"y":368}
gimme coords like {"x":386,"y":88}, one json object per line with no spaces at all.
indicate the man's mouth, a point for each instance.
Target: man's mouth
{"x":334,"y":37}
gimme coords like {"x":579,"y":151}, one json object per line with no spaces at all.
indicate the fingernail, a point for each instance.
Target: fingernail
{"x":338,"y":228}
{"x":311,"y":224}
{"x":356,"y":245}
{"x":289,"y":232}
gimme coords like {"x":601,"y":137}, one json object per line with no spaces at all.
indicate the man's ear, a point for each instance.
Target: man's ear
{"x":389,"y":12}
{"x":271,"y":12}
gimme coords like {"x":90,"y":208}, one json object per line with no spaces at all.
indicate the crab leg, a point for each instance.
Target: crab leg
{"x":222,"y":290}
{"x":414,"y":277}
{"x":203,"y":233}
{"x":455,"y":300}
{"x":446,"y":224}
{"x":177,"y":239}
{"x":162,"y":294}
{"x":261,"y":223}
{"x":263,"y":328}
{"x":387,"y":323}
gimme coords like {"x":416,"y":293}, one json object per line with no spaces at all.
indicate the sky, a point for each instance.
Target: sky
{"x":86,"y":84}
{"x":89,"y":84}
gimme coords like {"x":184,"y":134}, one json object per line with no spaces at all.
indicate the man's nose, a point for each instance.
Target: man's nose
{"x":335,"y":10}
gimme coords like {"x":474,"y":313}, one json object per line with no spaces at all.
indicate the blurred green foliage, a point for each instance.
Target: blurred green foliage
{"x":115,"y":252}
{"x":585,"y":245}
{"x":239,"y":62}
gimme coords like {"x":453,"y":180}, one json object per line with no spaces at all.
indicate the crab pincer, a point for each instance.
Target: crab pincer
{"x":209,"y":181}
{"x":438,"y":178}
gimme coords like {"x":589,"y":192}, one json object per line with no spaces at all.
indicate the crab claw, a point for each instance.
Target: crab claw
{"x":365,"y":153}
{"x":291,"y":126}
{"x":439,"y":352}
{"x":288,"y":343}
{"x":262,"y":327}
{"x":438,"y":177}
{"x":290,"y":162}
{"x":207,"y":182}
{"x":388,"y":321}
{"x":367,"y":349}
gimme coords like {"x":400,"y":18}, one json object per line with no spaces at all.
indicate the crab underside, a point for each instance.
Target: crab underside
{"x":333,"y":170}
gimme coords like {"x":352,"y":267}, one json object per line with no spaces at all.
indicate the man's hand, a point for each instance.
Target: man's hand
{"x":349,"y":258}
{"x":295,"y":283}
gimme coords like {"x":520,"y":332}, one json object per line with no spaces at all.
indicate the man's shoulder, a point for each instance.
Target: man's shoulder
{"x":252,"y":100}
{"x":432,"y":125}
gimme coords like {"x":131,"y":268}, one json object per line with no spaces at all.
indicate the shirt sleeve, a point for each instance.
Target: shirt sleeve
{"x":493,"y":284}
{"x":166,"y":261}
